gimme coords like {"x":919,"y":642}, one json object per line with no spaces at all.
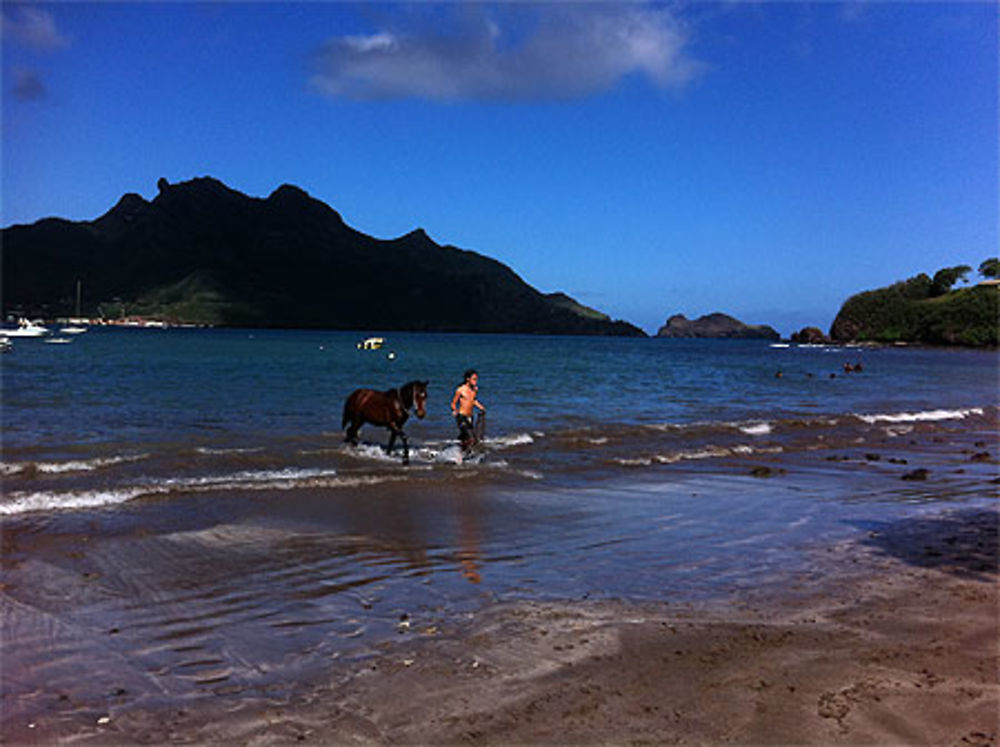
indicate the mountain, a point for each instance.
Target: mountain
{"x":716,"y":325}
{"x":922,"y":310}
{"x":204,"y":253}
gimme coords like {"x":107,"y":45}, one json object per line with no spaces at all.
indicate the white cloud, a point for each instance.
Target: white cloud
{"x":545,"y":51}
{"x":34,"y":28}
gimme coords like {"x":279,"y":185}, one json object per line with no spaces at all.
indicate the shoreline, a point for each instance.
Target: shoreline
{"x":889,"y":638}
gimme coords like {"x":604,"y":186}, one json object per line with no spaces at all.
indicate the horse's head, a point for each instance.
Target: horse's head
{"x":418,"y":396}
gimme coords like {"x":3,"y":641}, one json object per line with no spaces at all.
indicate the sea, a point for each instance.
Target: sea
{"x":181,"y":517}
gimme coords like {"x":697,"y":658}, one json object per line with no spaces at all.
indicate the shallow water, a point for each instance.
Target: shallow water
{"x":121,"y":415}
{"x":181,"y":518}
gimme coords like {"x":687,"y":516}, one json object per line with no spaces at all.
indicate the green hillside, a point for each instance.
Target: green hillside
{"x":925,"y":310}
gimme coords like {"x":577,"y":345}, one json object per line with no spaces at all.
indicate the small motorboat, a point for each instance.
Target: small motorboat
{"x":73,"y":329}
{"x":5,"y":345}
{"x":371,"y":343}
{"x":26,"y":328}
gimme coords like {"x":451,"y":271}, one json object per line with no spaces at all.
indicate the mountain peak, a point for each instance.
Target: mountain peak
{"x":419,"y":234}
{"x":130,"y":207}
{"x":200,"y":185}
{"x":289,"y":191}
{"x":295,"y":201}
{"x":202,"y":252}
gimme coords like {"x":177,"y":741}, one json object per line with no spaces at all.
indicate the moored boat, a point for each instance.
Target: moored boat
{"x":26,"y":328}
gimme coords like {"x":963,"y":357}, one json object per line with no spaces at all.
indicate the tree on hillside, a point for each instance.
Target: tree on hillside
{"x":947,"y":277}
{"x":990,"y":268}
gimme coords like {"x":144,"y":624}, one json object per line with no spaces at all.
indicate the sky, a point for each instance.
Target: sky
{"x":766,"y":160}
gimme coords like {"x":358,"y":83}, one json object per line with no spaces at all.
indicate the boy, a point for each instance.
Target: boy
{"x":461,"y":408}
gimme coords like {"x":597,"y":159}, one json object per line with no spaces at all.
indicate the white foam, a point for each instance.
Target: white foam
{"x":289,"y":477}
{"x":506,"y":442}
{"x":19,"y":503}
{"x":375,"y":452}
{"x":709,"y":452}
{"x":915,"y":417}
{"x":73,"y":465}
{"x":635,"y":462}
{"x":756,"y":429}
{"x":286,"y":479}
{"x":449,"y":455}
{"x":530,"y":474}
{"x":209,"y":451}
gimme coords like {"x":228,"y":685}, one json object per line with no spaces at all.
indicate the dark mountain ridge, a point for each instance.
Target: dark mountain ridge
{"x":204,"y":253}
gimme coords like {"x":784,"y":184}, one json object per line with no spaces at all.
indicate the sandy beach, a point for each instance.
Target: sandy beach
{"x":889,"y":640}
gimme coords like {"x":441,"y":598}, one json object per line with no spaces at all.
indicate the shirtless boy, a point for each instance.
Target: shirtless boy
{"x":461,"y":407}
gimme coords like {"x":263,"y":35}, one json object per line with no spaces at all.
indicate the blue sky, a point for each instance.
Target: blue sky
{"x":766,"y":160}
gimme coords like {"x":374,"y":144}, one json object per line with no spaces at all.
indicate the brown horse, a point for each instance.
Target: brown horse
{"x":391,"y":409}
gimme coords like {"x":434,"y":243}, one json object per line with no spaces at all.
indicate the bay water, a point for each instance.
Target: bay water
{"x":182,"y":517}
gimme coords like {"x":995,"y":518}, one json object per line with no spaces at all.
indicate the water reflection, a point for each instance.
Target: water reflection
{"x":469,"y":549}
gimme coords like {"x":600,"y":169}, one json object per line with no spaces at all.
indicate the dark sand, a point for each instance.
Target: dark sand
{"x":898,"y":645}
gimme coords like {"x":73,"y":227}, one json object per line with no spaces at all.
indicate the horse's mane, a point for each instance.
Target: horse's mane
{"x":406,"y":392}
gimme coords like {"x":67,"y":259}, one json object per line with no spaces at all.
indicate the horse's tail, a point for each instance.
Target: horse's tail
{"x":345,"y":418}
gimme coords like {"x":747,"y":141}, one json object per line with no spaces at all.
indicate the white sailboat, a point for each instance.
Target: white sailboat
{"x":76,"y":323}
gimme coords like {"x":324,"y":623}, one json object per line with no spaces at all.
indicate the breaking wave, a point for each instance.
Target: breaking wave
{"x":284,"y":479}
{"x":916,"y":417}
{"x":73,"y":465}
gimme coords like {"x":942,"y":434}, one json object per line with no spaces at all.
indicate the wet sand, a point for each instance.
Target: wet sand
{"x":890,"y":639}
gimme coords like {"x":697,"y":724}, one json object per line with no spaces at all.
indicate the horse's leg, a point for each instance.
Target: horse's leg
{"x":396,"y":431}
{"x":352,"y":431}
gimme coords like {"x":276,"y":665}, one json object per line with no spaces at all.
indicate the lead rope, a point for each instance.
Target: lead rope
{"x":479,"y":428}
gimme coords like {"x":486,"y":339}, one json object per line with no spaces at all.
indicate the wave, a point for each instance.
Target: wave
{"x":756,"y":429}
{"x":916,"y":417}
{"x":284,"y":479}
{"x":707,"y":452}
{"x":73,"y":465}
{"x":21,"y":503}
{"x":432,"y":451}
{"x":749,"y":427}
{"x":210,"y":451}
{"x":714,"y":429}
{"x":290,"y":476}
{"x":506,"y":442}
